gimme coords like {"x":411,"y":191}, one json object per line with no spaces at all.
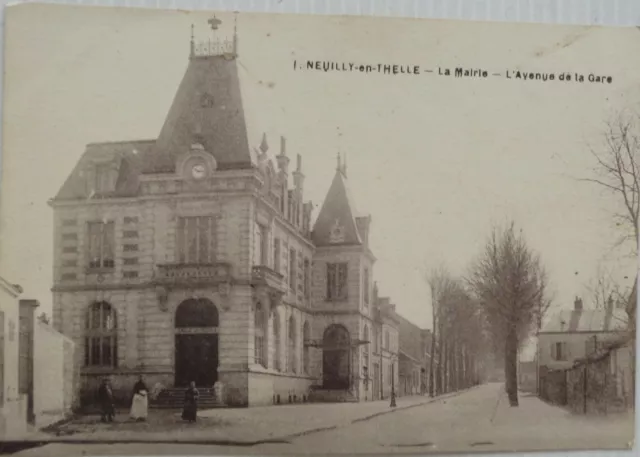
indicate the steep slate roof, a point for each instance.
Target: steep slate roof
{"x":587,"y":320}
{"x":207,"y":109}
{"x":411,"y":339}
{"x":131,"y":155}
{"x":338,"y":206}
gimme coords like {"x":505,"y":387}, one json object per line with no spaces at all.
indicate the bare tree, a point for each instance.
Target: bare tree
{"x":617,"y":170}
{"x":457,"y":335}
{"x":510,"y":284}
{"x":437,"y":279}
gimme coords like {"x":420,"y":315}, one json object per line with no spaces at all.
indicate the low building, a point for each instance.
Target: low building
{"x":13,"y":403}
{"x":414,"y":344}
{"x":36,"y":367}
{"x":571,"y":335}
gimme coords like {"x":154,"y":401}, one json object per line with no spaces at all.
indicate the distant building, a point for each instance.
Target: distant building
{"x":414,"y":358}
{"x":191,"y":257}
{"x":571,"y":335}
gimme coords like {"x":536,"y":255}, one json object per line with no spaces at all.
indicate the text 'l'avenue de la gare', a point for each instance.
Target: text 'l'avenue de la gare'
{"x":455,"y":72}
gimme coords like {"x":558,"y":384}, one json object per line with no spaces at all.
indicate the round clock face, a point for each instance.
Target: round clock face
{"x":198,"y":171}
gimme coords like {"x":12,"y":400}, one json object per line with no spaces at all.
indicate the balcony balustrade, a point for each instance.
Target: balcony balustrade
{"x":182,"y":273}
{"x":262,"y":275}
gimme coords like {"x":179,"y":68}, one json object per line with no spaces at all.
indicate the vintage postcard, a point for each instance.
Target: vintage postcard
{"x":231,"y":233}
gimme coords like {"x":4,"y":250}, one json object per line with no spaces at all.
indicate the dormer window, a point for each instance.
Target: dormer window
{"x":102,"y":178}
{"x":337,"y":233}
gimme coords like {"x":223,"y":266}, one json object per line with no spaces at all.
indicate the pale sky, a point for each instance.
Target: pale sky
{"x":435,"y":160}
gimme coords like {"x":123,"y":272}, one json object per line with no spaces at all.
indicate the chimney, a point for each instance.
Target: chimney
{"x":577,"y":304}
{"x":283,"y":160}
{"x":298,"y":177}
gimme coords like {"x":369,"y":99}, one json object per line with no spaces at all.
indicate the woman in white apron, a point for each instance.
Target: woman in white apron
{"x":140,"y":402}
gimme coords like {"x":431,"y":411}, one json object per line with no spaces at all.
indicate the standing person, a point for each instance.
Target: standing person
{"x":140,"y":402}
{"x":105,"y":398}
{"x":190,"y":410}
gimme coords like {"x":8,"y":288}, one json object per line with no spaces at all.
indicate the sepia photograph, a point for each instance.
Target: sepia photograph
{"x":275,"y":234}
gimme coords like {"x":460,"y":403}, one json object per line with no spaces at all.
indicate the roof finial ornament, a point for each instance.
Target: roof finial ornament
{"x":339,"y":165}
{"x":264,"y":147}
{"x":214,"y":22}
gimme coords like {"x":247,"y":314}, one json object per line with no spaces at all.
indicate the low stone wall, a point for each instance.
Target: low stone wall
{"x":553,"y":387}
{"x":13,"y":418}
{"x":601,"y":384}
{"x":274,"y":389}
{"x":53,"y":378}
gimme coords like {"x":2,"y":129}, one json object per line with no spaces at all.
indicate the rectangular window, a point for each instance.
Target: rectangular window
{"x":559,"y":351}
{"x":307,"y":278}
{"x":336,"y":281}
{"x":261,"y":243}
{"x":258,"y":343}
{"x":130,"y":220}
{"x":196,"y":239}
{"x":292,"y":269}
{"x":386,"y":340}
{"x":365,"y":286}
{"x":101,"y":244}
{"x":276,"y":255}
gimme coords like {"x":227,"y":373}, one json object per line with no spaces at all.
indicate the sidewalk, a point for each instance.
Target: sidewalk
{"x":246,"y":426}
{"x":535,"y":425}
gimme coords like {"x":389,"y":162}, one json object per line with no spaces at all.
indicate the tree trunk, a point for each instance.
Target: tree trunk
{"x":439,"y":367}
{"x":454,"y":366}
{"x":431,"y":360}
{"x":511,"y":365}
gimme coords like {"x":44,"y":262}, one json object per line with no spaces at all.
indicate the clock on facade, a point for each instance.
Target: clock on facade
{"x":198,"y":171}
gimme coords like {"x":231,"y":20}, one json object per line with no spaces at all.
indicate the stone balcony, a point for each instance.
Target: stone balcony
{"x":262,"y":275}
{"x":175,"y":274}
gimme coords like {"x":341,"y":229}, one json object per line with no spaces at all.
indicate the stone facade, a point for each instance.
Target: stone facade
{"x":197,"y":219}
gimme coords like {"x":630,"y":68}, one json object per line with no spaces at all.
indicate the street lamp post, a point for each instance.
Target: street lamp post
{"x":393,"y":389}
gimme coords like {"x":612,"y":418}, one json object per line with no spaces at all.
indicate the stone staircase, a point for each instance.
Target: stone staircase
{"x":173,"y":398}
{"x":320,"y":395}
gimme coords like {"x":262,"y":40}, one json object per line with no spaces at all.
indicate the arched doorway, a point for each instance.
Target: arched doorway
{"x":196,"y":343}
{"x":336,"y":350}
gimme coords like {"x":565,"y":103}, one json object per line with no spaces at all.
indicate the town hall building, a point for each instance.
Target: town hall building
{"x":192,"y":257}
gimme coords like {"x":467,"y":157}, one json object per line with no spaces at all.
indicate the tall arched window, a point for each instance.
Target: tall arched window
{"x":258,"y":339}
{"x":306,"y":336}
{"x":291,"y":349}
{"x":366,"y":347}
{"x":277,"y":343}
{"x":101,"y":342}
